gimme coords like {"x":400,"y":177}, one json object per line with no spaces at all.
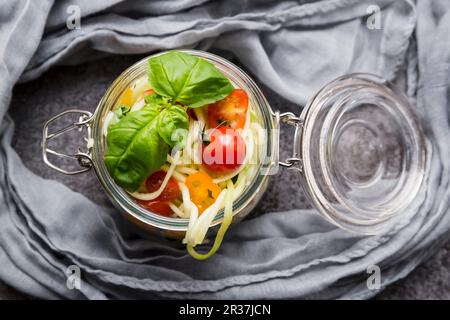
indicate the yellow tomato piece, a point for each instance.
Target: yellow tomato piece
{"x":127,"y":98}
{"x":202,"y":189}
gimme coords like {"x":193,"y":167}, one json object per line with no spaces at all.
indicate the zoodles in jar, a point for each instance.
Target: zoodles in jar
{"x":183,"y":143}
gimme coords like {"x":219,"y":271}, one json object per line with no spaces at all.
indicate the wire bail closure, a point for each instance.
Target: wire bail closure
{"x":82,"y":157}
{"x":290,"y":119}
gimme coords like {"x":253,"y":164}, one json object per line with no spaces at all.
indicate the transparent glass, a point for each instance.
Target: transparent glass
{"x":176,"y":227}
{"x":363,"y":153}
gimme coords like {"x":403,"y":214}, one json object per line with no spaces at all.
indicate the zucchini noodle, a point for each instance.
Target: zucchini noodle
{"x":178,"y":176}
{"x":169,"y":158}
{"x":192,"y":138}
{"x":197,"y":140}
{"x":191,"y":209}
{"x":138,"y":105}
{"x":185,"y":196}
{"x":200,"y":116}
{"x":186,"y":170}
{"x":179,"y":168}
{"x":176,"y":210}
{"x":139,"y":87}
{"x":157,"y":193}
{"x":226,"y":222}
{"x":204,"y":221}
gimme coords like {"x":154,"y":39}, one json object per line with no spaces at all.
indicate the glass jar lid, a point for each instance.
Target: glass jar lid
{"x":362,"y":152}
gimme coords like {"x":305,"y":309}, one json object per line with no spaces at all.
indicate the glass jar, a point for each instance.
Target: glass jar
{"x":358,"y":150}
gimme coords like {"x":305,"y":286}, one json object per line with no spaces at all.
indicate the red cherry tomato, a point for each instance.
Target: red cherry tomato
{"x":160,"y":207}
{"x":230,"y":112}
{"x":170,"y":192}
{"x":225,"y":151}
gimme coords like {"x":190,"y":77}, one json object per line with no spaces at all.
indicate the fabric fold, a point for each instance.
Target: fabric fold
{"x":293,"y":48}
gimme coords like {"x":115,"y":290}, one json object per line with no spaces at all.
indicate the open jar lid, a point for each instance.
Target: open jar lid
{"x":362,"y":153}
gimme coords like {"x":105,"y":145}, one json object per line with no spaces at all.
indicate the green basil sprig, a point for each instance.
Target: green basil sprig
{"x":139,"y":143}
{"x":186,"y":79}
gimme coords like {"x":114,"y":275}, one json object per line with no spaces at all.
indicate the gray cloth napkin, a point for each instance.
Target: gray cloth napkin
{"x":293,"y":47}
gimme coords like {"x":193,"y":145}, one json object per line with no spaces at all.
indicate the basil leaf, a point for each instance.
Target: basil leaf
{"x":157,"y":99}
{"x":173,"y":123}
{"x":190,"y":80}
{"x":135,"y":149}
{"x":139,"y":143}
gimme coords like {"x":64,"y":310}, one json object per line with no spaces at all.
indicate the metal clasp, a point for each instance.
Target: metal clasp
{"x":290,"y":119}
{"x":82,"y":157}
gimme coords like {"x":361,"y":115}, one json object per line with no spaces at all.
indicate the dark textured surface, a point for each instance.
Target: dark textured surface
{"x":81,"y":87}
